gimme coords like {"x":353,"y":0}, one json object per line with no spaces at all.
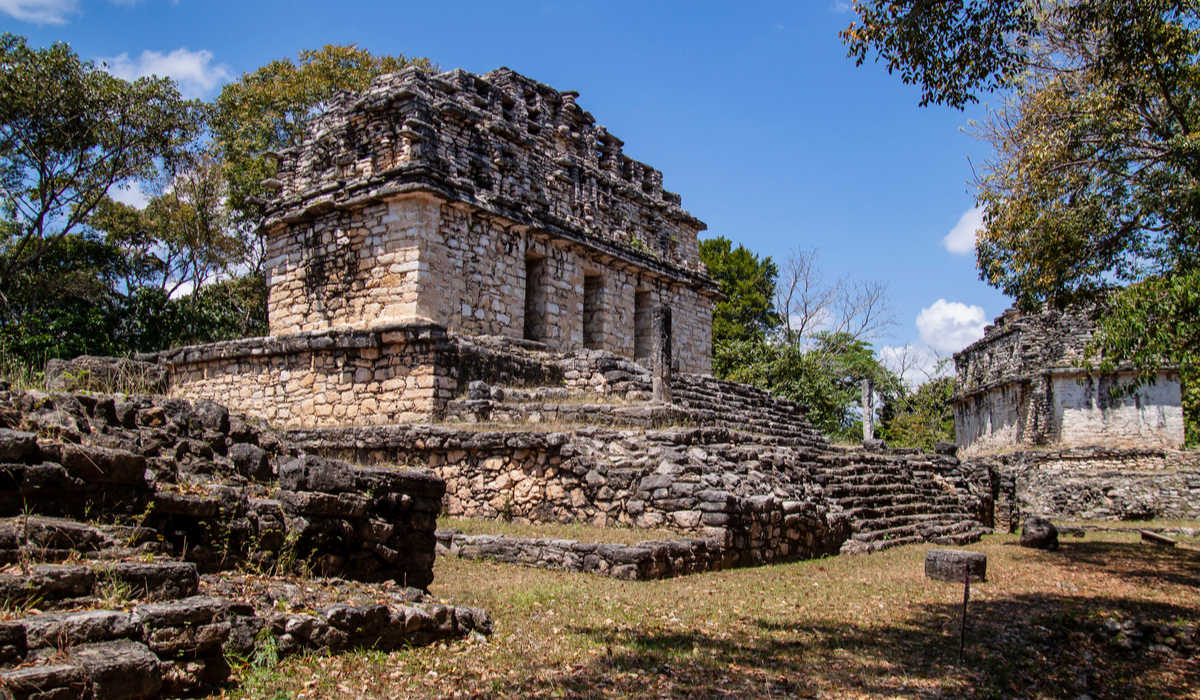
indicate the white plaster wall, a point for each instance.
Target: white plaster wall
{"x":991,"y":421}
{"x":1086,"y":414}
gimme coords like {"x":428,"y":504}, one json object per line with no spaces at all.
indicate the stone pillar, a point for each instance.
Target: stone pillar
{"x":868,"y":409}
{"x":661,"y":354}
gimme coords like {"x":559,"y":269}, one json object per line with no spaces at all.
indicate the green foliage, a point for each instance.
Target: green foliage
{"x":953,"y":50}
{"x":270,"y":109}
{"x":1095,"y":182}
{"x":748,"y":284}
{"x":824,"y":377}
{"x":1156,"y":323}
{"x":920,"y":417}
{"x":68,"y":133}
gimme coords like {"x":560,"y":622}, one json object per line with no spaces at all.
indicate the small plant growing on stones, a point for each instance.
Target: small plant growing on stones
{"x":506,"y":509}
{"x":113,"y":593}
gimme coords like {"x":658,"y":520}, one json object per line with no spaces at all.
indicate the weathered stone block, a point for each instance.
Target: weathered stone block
{"x":1039,"y":533}
{"x":952,"y":565}
{"x":119,"y":670}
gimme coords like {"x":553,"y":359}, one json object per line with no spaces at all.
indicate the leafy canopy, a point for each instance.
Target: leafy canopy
{"x":69,"y":132}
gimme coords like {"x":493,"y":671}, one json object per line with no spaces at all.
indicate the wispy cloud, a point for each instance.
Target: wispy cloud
{"x":193,"y":70}
{"x":40,"y":11}
{"x":949,"y":326}
{"x":841,"y":6}
{"x":961,"y":239}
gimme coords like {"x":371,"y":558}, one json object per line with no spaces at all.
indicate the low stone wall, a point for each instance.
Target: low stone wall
{"x":753,"y":499}
{"x":630,"y":562}
{"x":1094,"y":483}
{"x":389,"y":374}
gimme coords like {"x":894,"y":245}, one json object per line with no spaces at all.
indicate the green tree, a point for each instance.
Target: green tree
{"x":270,"y":110}
{"x":69,"y":133}
{"x":823,"y":375}
{"x":1093,"y":191}
{"x":748,"y":284}
{"x":63,"y":303}
{"x":919,"y":417}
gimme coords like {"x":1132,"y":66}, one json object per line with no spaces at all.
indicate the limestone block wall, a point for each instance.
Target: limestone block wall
{"x":349,"y":269}
{"x":1094,"y":483}
{"x":391,"y":374}
{"x":1022,"y":385}
{"x":419,"y":259}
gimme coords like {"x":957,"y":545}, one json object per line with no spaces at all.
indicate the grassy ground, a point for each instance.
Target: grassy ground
{"x":844,"y":627}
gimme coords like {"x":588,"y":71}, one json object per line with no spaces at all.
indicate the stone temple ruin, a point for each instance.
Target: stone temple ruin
{"x":488,"y":310}
{"x":457,"y":204}
{"x":1064,"y":444}
{"x":1022,"y":385}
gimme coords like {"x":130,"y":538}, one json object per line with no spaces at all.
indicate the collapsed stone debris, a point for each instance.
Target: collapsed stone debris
{"x":130,"y":523}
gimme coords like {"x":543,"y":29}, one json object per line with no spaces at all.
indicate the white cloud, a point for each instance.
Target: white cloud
{"x":130,"y":194}
{"x":193,"y":70}
{"x":949,"y":326}
{"x":40,"y":11}
{"x":47,"y":11}
{"x":961,"y":239}
{"x":841,"y":6}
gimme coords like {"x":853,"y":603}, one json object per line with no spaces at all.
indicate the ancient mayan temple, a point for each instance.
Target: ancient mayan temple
{"x":433,"y":208}
{"x":491,"y":205}
{"x":1021,"y":386}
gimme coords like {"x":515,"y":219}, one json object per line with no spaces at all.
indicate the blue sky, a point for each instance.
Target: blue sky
{"x":751,"y":110}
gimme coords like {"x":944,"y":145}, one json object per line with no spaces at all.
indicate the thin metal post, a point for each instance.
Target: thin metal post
{"x":962,"y":637}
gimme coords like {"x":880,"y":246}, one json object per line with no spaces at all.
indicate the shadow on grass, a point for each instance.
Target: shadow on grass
{"x":1135,"y":562}
{"x":1025,"y":646}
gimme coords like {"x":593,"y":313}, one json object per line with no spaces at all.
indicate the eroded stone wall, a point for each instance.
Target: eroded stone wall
{"x":391,"y":374}
{"x":1022,"y":386}
{"x":1093,"y":410}
{"x":1094,"y":483}
{"x":699,"y":482}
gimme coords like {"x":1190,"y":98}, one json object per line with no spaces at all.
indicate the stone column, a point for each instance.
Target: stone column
{"x":660,"y":351}
{"x":868,"y":409}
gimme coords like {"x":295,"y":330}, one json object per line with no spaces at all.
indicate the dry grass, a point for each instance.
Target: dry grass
{"x":844,"y":627}
{"x":557,"y":531}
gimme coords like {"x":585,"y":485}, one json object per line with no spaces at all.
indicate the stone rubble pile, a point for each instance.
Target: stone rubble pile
{"x":123,"y":518}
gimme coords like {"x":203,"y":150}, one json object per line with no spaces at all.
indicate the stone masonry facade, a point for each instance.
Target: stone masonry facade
{"x":488,"y":205}
{"x":1021,"y":386}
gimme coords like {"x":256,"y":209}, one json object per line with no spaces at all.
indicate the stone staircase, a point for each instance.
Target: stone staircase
{"x":146,"y":540}
{"x":713,"y":401}
{"x":604,"y":389}
{"x":899,"y":499}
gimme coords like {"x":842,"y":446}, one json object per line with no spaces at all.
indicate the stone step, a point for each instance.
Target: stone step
{"x":52,"y":582}
{"x":881,"y":545}
{"x":902,"y":510}
{"x":918,"y":521}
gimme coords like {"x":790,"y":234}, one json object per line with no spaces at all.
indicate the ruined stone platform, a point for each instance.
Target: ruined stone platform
{"x":145,"y":541}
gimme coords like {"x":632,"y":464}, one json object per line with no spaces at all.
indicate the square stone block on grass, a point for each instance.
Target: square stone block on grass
{"x":949,"y":565}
